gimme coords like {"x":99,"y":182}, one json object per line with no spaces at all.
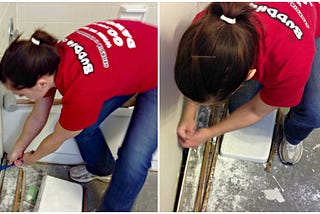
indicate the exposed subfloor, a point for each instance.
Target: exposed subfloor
{"x":246,"y":186}
{"x":146,"y":201}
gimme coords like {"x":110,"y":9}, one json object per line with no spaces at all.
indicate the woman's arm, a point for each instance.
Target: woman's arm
{"x":32,"y":127}
{"x":246,"y":115}
{"x":50,"y":144}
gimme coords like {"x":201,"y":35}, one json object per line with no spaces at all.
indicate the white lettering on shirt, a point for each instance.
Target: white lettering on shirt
{"x":87,"y":66}
{"x":283,"y":18}
{"x":305,"y":3}
{"x":114,"y":34}
{"x":100,"y":47}
{"x":300,"y":14}
{"x":116,"y":38}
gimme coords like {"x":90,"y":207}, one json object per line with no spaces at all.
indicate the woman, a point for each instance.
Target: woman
{"x":96,"y":69}
{"x":268,"y":50}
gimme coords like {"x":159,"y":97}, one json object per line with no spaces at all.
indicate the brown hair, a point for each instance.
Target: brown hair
{"x":26,"y":60}
{"x":214,"y":56}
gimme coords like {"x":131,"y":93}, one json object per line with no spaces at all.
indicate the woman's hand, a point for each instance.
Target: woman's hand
{"x":197,"y":138}
{"x":185,"y":130}
{"x":28,"y":158}
{"x":187,"y":125}
{"x":16,"y":156}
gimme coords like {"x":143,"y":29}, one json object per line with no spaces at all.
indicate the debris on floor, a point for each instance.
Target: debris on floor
{"x":246,"y":186}
{"x":94,"y":190}
{"x":33,"y":176}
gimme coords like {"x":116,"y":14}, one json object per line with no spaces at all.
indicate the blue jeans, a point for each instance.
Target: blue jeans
{"x":134,"y":156}
{"x":301,"y":119}
{"x":305,"y":117}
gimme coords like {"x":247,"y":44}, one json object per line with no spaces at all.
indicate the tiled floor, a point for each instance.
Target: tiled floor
{"x":146,"y":201}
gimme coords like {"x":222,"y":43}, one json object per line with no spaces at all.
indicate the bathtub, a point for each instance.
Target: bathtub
{"x":113,"y":128}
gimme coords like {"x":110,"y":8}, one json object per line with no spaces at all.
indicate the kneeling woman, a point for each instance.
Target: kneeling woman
{"x":96,"y":69}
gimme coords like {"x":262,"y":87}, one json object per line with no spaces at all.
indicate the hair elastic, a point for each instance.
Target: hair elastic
{"x":228,"y":20}
{"x":35,"y":41}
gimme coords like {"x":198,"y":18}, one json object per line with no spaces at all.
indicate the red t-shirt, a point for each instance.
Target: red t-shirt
{"x":286,"y":50}
{"x":100,"y":61}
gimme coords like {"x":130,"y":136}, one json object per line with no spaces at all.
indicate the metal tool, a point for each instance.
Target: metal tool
{"x":6,"y":166}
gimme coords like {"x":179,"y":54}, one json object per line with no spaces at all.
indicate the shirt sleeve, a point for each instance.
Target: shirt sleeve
{"x":285,"y":83}
{"x":51,"y":92}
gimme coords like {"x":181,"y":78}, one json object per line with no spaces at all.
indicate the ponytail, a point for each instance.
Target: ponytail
{"x":42,"y":37}
{"x":26,"y":60}
{"x":240,"y":11}
{"x":217,"y":51}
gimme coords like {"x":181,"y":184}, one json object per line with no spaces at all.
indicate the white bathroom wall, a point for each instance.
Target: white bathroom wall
{"x":62,"y":18}
{"x":174,"y":19}
{"x":7,"y":10}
